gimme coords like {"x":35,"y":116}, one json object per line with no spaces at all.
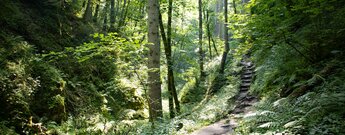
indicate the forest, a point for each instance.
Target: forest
{"x":172,"y":67}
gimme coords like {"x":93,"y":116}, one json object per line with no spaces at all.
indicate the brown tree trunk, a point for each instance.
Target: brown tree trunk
{"x":201,"y":53}
{"x":88,"y":12}
{"x":124,"y":12}
{"x":105,"y":20}
{"x":234,"y":6}
{"x":112,"y":15}
{"x":170,"y":61}
{"x":208,"y":32}
{"x":95,"y":16}
{"x":167,"y":48}
{"x":214,"y":46}
{"x":218,"y":31}
{"x":165,"y":42}
{"x":226,"y":38}
{"x":154,"y":81}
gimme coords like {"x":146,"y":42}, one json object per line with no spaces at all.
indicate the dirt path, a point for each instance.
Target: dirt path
{"x":243,"y":104}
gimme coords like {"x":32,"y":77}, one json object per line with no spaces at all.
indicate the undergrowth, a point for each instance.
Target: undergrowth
{"x":315,"y":113}
{"x":198,"y":113}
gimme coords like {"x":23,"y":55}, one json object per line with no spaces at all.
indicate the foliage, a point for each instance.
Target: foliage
{"x":16,"y":84}
{"x":277,"y":30}
{"x":98,"y":63}
{"x":293,"y":43}
{"x":308,"y":114}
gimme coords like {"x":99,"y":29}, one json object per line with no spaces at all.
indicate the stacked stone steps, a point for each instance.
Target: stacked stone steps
{"x":244,"y":99}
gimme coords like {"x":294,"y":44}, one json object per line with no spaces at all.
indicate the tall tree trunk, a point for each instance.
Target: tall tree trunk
{"x":167,"y":48}
{"x":214,"y":46}
{"x":84,"y":3}
{"x":170,"y":61}
{"x":165,"y":42}
{"x":201,"y":53}
{"x":105,"y":20}
{"x":208,"y":32}
{"x":112,"y":15}
{"x":219,"y":31}
{"x":226,"y":38}
{"x":234,"y":6}
{"x":95,"y":16}
{"x":122,"y":22}
{"x":88,"y":12}
{"x":155,"y":99}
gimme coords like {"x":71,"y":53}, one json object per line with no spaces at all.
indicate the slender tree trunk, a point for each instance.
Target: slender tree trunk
{"x":117,"y":11}
{"x":155,"y":98}
{"x":165,"y":42}
{"x":105,"y":20}
{"x":226,"y":38}
{"x":201,"y":53}
{"x":112,"y":15}
{"x":234,"y":5}
{"x":219,"y":31}
{"x":122,"y":22}
{"x":169,"y":59}
{"x":88,"y":12}
{"x":167,"y":48}
{"x":208,"y":32}
{"x":214,"y":46}
{"x":84,"y":3}
{"x":95,"y":16}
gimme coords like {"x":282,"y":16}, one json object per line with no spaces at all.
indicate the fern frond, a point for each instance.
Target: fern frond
{"x":279,"y":102}
{"x":269,"y":125}
{"x":291,"y":124}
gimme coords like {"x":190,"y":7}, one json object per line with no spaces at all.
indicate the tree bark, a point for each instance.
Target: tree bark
{"x":112,"y":15}
{"x":219,"y":31}
{"x":105,"y":20}
{"x":214,"y":46}
{"x":124,"y":12}
{"x":154,"y":81}
{"x":95,"y":16}
{"x":165,"y":42}
{"x":170,"y":76}
{"x":226,"y":38}
{"x":208,"y":32}
{"x":234,"y":6}
{"x":201,"y":53}
{"x":88,"y":12}
{"x":170,"y":61}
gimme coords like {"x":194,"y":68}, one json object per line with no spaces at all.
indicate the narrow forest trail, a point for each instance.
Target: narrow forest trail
{"x":243,"y":104}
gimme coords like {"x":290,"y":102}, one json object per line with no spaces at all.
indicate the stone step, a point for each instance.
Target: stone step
{"x":250,"y":68}
{"x":244,"y":89}
{"x":246,"y":76}
{"x":248,"y":98}
{"x":245,"y":84}
{"x":246,"y":81}
{"x":251,"y":74}
{"x":237,"y":111}
{"x":246,"y":63}
{"x":245,"y":104}
{"x":247,"y":72}
{"x":242,"y":95}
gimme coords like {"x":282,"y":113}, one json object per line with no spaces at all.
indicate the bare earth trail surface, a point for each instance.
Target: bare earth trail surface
{"x":243,"y":104}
